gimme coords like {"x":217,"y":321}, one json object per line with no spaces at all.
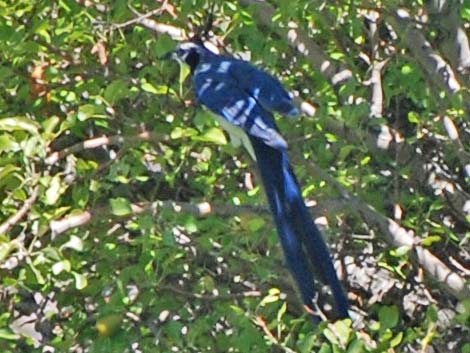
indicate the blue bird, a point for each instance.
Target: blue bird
{"x":246,"y":97}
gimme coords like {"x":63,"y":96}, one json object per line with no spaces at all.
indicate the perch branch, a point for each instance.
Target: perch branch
{"x":103,"y":141}
{"x":300,"y":41}
{"x":10,"y":222}
{"x":398,"y":236}
{"x":206,"y":297}
{"x":432,"y":63}
{"x":202,"y":209}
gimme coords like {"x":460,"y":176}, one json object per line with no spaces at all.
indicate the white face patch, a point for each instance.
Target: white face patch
{"x":187,"y":46}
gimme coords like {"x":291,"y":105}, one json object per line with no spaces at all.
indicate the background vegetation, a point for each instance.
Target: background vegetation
{"x":128,"y":223}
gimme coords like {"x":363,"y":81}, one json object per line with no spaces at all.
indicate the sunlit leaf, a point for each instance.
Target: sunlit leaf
{"x":6,"y":143}
{"x":53,"y":192}
{"x":61,"y":266}
{"x":213,"y":135}
{"x":19,"y":123}
{"x":74,"y":243}
{"x":148,"y":87}
{"x":80,"y":281}
{"x":120,"y":206}
{"x":6,"y":334}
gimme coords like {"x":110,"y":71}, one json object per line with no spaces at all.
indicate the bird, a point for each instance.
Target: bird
{"x":245,"y":98}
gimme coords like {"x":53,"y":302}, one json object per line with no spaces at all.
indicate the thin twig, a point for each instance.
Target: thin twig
{"x":176,"y":290}
{"x":162,"y":28}
{"x":462,"y":154}
{"x":398,"y":236}
{"x":202,"y":209}
{"x":6,"y":226}
{"x":336,"y":73}
{"x":137,"y":19}
{"x":103,"y":141}
{"x":259,"y":321}
{"x":430,"y":60}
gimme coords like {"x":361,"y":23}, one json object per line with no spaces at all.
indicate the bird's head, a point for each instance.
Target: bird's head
{"x":188,"y":52}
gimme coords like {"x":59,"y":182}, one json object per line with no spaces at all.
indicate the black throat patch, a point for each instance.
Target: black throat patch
{"x":192,"y":59}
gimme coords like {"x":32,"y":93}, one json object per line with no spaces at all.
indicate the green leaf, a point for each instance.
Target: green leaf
{"x":345,"y":151}
{"x":54,"y":190}
{"x":413,"y":117}
{"x":80,"y":281}
{"x":281,"y":312}
{"x":428,"y":241}
{"x":6,"y":334}
{"x":120,"y":206}
{"x":395,"y":341}
{"x":330,"y":137}
{"x":330,"y":336}
{"x":6,"y":248}
{"x":466,"y":346}
{"x":163,"y":45}
{"x":19,"y":123}
{"x":407,"y":69}
{"x":388,"y":317}
{"x":116,"y":90}
{"x":179,"y":132}
{"x":74,"y":243}
{"x":61,"y":266}
{"x":401,"y":251}
{"x":148,"y":87}
{"x":88,"y":111}
{"x":6,"y":143}
{"x":207,"y":283}
{"x":39,"y":277}
{"x":343,"y":330}
{"x":8,"y":169}
{"x":214,"y":135}
{"x":356,"y":346}
{"x":432,"y":314}
{"x":365,"y":160}
{"x":49,"y":125}
{"x":325,"y":348}
{"x":254,"y":224}
{"x":307,"y":343}
{"x":273,"y":296}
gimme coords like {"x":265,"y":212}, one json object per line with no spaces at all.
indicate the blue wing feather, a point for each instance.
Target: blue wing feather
{"x":266,"y":89}
{"x":221,"y":94}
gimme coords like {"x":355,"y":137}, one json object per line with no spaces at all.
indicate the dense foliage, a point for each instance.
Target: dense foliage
{"x":130,"y":223}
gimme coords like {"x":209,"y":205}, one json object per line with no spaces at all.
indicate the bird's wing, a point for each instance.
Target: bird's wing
{"x":221,"y":94}
{"x":263,"y":87}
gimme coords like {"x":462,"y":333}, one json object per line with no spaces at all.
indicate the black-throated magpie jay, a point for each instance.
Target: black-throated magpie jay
{"x":246,"y":97}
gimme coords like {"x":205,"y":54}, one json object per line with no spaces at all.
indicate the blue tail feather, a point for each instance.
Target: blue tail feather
{"x":301,"y":240}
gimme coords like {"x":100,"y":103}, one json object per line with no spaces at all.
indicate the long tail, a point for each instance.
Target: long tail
{"x":300,"y":238}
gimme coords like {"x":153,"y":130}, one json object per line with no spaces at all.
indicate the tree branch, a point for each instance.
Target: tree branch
{"x":386,"y":142}
{"x":205,"y":297}
{"x":6,"y":226}
{"x":462,"y":155}
{"x":161,"y":28}
{"x":202,"y":209}
{"x":398,"y":236}
{"x":104,"y":141}
{"x":432,"y":63}
{"x":300,"y":41}
{"x":454,"y":45}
